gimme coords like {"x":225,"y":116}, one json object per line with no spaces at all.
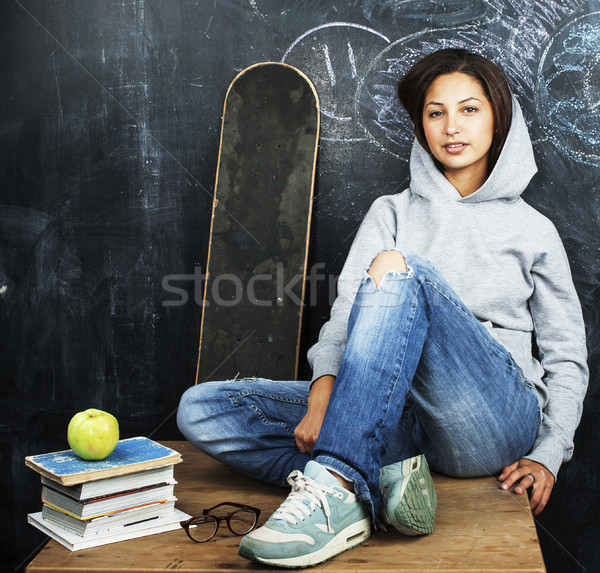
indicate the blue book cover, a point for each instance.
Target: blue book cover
{"x":130,"y":455}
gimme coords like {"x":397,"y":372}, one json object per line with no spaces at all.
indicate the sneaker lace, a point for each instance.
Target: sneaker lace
{"x":305,"y":497}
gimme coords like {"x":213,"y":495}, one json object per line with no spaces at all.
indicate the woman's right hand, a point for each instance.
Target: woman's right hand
{"x":307,"y":431}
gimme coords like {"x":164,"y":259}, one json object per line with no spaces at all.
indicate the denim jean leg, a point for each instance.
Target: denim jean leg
{"x":386,"y":331}
{"x":247,"y":424}
{"x":471,"y":412}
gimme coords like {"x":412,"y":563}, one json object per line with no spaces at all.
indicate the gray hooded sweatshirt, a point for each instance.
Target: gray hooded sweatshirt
{"x":504,"y":260}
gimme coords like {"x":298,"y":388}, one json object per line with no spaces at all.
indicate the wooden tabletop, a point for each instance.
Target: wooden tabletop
{"x":478,"y":527}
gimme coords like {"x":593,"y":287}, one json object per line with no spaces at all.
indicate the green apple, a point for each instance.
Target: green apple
{"x":93,"y":434}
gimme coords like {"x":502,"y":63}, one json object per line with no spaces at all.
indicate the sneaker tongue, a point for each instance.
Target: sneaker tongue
{"x":317,"y":472}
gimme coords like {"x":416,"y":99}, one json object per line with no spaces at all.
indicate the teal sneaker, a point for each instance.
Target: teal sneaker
{"x":318,"y":520}
{"x":408,"y":498}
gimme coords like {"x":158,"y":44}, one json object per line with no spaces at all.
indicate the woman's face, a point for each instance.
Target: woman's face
{"x":459,"y":125}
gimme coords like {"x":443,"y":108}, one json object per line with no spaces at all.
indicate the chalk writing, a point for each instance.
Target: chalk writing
{"x":568,"y":89}
{"x":334,"y":55}
{"x":430,"y":13}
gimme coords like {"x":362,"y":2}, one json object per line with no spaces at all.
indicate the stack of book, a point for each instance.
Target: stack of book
{"x":129,"y":494}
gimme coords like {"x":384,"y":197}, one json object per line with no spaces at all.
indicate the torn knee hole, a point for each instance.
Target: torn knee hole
{"x":384,"y":262}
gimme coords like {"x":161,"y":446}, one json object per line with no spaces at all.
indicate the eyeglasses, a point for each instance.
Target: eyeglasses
{"x":203,"y":527}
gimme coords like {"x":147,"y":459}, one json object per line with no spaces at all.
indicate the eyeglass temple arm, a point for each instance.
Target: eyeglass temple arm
{"x":241,"y":506}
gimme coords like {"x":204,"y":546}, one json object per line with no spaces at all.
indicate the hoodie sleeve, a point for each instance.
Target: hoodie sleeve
{"x":560,"y":337}
{"x":376,"y":233}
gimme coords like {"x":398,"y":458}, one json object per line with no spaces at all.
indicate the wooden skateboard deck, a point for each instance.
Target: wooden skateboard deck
{"x":260,"y":225}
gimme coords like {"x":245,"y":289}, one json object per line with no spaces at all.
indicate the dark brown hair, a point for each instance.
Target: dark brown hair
{"x":413,"y":87}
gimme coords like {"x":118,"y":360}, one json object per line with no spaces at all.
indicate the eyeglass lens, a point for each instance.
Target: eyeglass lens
{"x":242,"y":521}
{"x":203,"y":528}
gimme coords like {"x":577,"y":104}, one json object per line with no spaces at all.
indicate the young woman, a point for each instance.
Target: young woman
{"x":428,"y":358}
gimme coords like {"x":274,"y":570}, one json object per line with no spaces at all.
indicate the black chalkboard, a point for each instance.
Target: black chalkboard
{"x":108,"y":144}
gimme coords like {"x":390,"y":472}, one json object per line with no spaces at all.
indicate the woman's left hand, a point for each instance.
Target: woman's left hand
{"x":527,"y":473}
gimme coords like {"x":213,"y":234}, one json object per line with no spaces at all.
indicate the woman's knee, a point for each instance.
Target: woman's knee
{"x":384,"y":262}
{"x":196,"y":408}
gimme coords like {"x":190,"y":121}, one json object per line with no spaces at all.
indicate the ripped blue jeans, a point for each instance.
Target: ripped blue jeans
{"x":420,"y":374}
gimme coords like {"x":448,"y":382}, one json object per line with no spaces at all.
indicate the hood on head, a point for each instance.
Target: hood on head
{"x":511,"y":175}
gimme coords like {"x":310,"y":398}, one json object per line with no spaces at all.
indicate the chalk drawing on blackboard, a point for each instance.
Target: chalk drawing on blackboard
{"x":335,"y":56}
{"x":257,"y":11}
{"x":433,"y":13}
{"x":378,"y":108}
{"x":568,"y":89}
